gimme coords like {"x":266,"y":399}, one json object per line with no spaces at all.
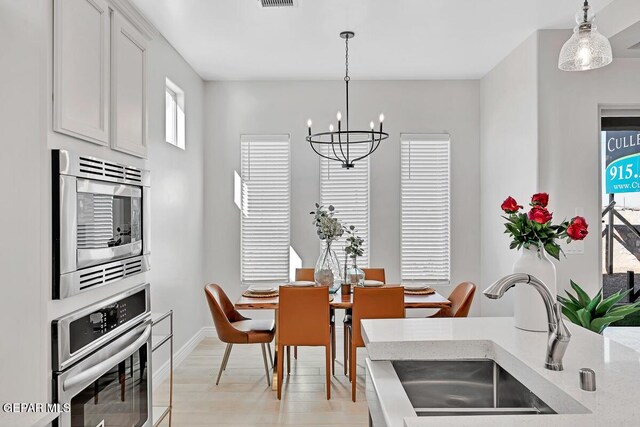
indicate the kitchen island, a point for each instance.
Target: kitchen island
{"x":518,"y":352}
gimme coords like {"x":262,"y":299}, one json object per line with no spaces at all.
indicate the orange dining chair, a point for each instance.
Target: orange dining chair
{"x":233,"y":328}
{"x":374,"y":274}
{"x":371,"y":303}
{"x":461,"y":299}
{"x":369,"y":274}
{"x":303,"y":320}
{"x":307,"y":274}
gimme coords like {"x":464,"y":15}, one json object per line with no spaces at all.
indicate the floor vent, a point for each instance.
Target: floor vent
{"x":278,"y":3}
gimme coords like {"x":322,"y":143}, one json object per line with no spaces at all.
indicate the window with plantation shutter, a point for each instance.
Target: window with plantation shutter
{"x":265,"y":209}
{"x":348,"y":191}
{"x":425,"y":176}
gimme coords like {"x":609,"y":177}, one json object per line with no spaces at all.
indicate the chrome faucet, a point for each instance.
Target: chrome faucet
{"x":559,"y":335}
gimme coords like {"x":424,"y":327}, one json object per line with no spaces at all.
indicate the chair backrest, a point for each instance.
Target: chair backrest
{"x":305,"y":274}
{"x":224,"y":313}
{"x":374,"y":274}
{"x":461,"y":299}
{"x":375,"y":303}
{"x":303,"y":316}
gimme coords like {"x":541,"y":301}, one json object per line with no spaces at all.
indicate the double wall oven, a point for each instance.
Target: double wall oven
{"x":102,"y":362}
{"x":100,"y":222}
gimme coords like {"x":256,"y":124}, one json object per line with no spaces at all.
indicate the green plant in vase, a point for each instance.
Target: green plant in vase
{"x":354,"y":249}
{"x":595,"y":313}
{"x":328,"y":229}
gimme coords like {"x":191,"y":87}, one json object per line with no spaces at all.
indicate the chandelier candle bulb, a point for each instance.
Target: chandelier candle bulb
{"x":372,"y":125}
{"x":339,"y":116}
{"x":381,"y":118}
{"x":331,"y":128}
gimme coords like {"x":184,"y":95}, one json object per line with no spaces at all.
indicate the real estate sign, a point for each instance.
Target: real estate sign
{"x":622,"y":150}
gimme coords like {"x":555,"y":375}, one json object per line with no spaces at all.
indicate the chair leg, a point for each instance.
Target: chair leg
{"x":280,"y":362}
{"x":352,"y":370}
{"x":226,"y":360}
{"x":333,"y":348}
{"x":223,"y":365}
{"x":288,"y":360}
{"x":328,"y":372}
{"x":345,"y":343}
{"x":270,"y":355}
{"x":266,"y":365}
{"x":295,"y":352}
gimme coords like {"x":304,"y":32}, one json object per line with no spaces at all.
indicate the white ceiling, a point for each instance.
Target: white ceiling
{"x":395,"y":39}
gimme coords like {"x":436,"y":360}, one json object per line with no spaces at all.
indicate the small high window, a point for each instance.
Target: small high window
{"x":174,"y":116}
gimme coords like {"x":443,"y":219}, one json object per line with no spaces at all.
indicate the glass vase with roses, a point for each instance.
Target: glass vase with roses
{"x":535,"y":227}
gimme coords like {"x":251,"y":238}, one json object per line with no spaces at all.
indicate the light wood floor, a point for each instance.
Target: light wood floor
{"x":243,"y":398}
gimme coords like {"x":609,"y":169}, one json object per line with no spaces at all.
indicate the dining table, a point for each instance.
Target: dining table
{"x":338,"y":301}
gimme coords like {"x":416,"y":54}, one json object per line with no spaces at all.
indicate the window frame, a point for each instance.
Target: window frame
{"x":253,"y":138}
{"x":179,"y":137}
{"x":367,"y":231}
{"x":425,"y":138}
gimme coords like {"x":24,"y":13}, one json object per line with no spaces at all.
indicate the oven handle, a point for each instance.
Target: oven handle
{"x":103,"y":366}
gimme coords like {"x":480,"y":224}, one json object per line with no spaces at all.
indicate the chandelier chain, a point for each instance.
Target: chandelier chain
{"x":346,"y":60}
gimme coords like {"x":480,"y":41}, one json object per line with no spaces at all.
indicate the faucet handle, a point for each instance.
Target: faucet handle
{"x":561,"y":327}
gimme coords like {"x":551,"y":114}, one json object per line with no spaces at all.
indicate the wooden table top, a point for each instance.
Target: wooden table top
{"x":339,"y":301}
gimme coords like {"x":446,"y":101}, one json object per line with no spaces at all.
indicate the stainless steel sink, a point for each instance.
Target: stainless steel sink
{"x":465,"y":387}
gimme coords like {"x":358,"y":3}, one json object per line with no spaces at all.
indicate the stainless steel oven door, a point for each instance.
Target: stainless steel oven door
{"x":111,"y":387}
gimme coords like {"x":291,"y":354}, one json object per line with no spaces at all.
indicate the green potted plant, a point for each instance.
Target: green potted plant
{"x":328,"y":228}
{"x":595,"y":313}
{"x":354,"y":249}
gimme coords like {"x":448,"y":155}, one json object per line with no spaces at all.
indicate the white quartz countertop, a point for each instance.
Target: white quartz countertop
{"x":522,"y":354}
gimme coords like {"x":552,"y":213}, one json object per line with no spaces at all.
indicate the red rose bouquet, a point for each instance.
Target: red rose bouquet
{"x":535,"y":228}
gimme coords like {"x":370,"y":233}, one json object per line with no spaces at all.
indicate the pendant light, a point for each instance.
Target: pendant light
{"x":587,"y":49}
{"x":338,"y":143}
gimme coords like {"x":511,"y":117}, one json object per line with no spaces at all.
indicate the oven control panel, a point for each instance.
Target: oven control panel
{"x":90,"y":327}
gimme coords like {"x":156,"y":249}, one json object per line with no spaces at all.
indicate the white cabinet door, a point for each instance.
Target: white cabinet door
{"x":128,"y":88}
{"x":81,"y":69}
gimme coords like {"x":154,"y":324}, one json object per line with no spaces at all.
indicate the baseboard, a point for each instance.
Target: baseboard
{"x":162,"y":373}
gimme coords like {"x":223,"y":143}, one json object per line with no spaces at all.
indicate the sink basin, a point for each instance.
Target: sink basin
{"x":465,"y":387}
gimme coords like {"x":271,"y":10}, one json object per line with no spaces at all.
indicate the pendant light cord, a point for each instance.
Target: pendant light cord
{"x":346,"y":82}
{"x":585,"y":8}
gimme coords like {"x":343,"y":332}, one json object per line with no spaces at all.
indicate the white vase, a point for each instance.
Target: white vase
{"x":529,"y":311}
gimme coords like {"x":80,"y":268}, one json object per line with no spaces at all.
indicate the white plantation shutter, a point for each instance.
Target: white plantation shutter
{"x":265,"y":206}
{"x":348,"y":191}
{"x":425,"y":187}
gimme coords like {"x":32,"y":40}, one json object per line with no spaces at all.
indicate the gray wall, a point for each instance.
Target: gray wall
{"x":176,"y":200}
{"x":235,"y":108}
{"x":509,"y":158}
{"x":24,"y":351}
{"x":540,"y":132}
{"x":570,"y":144}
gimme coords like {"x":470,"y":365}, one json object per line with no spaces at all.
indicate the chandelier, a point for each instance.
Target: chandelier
{"x":337,"y":144}
{"x":587,"y":49}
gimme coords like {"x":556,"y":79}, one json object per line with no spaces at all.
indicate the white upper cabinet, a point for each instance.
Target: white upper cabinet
{"x":81,"y":69}
{"x":100,"y":74}
{"x":128,"y":88}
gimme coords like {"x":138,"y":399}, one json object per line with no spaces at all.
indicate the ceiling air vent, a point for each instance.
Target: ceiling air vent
{"x":278,"y":3}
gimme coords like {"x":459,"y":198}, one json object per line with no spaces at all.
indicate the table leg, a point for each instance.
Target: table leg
{"x":274,"y":381}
